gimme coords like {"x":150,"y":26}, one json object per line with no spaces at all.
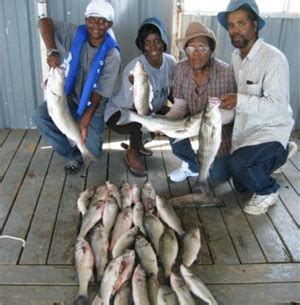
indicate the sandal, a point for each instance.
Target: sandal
{"x":134,"y":164}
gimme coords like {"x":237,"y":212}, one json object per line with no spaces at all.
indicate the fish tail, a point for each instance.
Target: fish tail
{"x":87,"y":156}
{"x":125,"y":117}
{"x":201,"y":186}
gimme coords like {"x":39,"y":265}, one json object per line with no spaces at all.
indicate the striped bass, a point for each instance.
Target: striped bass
{"x":60,"y":113}
{"x":141,"y":89}
{"x":171,"y":127}
{"x":209,"y":142}
{"x":197,"y":287}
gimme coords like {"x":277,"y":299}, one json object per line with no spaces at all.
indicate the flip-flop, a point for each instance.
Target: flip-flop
{"x":142,"y":151}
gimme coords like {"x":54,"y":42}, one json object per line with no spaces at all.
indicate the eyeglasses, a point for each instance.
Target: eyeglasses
{"x":97,"y":20}
{"x":201,"y":49}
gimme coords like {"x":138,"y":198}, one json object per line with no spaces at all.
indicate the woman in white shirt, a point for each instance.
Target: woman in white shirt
{"x":152,"y":40}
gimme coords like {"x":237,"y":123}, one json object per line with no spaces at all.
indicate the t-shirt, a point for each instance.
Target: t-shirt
{"x":159,"y":78}
{"x":64,"y":34}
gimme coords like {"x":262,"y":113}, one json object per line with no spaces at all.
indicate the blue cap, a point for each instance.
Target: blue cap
{"x":235,"y":5}
{"x":161,"y":27}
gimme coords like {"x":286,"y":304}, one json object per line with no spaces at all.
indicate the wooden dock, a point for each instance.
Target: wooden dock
{"x":244,"y":259}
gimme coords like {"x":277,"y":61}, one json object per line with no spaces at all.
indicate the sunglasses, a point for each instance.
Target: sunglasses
{"x":201,"y":49}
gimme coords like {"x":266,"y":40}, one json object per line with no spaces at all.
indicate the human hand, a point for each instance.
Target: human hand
{"x":228,"y":101}
{"x":84,"y":125}
{"x":53,"y":60}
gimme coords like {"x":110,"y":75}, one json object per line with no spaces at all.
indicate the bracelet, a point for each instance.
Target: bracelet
{"x":51,"y":51}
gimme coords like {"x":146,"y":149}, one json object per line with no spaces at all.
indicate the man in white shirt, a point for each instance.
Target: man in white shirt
{"x":263,"y":117}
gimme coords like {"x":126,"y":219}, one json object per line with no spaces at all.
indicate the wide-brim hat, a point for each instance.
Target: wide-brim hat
{"x":196,"y":29}
{"x":235,"y":5}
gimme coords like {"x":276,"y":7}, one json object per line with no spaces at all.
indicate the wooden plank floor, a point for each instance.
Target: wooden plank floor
{"x":244,"y":259}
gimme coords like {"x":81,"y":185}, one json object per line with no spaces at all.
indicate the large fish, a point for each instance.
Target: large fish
{"x":125,"y":271}
{"x":168,"y":250}
{"x":126,"y":241}
{"x":110,"y":213}
{"x":84,"y":199}
{"x":138,"y":217}
{"x":148,"y":196}
{"x":191,"y":244}
{"x":154,"y":229}
{"x":182,"y":291}
{"x":141,"y":89}
{"x":100,"y":243}
{"x":91,"y":217}
{"x":139,"y":287}
{"x":84,"y":262}
{"x":109,"y":279}
{"x":173,"y":128}
{"x":146,"y":255}
{"x":196,"y":200}
{"x":168,"y":215}
{"x":209,"y":142}
{"x":197,"y":287}
{"x":126,"y":195}
{"x":123,"y":223}
{"x":60,"y":113}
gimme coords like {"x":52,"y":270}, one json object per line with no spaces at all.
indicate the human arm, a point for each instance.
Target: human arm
{"x":47,"y":32}
{"x":88,"y":115}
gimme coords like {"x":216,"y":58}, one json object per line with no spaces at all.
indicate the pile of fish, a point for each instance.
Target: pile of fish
{"x":134,"y":241}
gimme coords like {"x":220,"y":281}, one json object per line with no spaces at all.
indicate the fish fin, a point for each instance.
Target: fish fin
{"x":201,"y":187}
{"x":87,"y":156}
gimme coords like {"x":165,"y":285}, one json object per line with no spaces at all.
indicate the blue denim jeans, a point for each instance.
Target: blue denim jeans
{"x":60,"y":142}
{"x":251,"y":167}
{"x":184,"y":151}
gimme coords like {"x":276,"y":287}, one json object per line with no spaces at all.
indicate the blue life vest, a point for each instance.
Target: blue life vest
{"x":80,"y":38}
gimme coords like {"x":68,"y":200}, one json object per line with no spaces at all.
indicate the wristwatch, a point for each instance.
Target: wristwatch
{"x":51,"y":51}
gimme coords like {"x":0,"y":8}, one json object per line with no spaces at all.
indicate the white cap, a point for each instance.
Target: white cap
{"x":100,"y":8}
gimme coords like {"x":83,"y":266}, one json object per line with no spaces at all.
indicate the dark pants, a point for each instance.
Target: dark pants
{"x":251,"y":167}
{"x":132,"y":129}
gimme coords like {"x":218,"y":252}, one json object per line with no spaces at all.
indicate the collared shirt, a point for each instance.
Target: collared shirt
{"x":219,"y":81}
{"x":263,"y":113}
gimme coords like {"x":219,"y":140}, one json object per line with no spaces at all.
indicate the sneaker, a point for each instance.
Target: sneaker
{"x":292,"y":151}
{"x":73,"y":166}
{"x":259,"y":204}
{"x":182,"y":173}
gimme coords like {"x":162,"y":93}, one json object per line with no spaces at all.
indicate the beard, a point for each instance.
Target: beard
{"x":239,"y":43}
